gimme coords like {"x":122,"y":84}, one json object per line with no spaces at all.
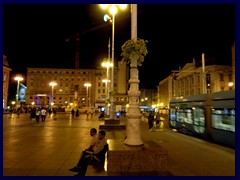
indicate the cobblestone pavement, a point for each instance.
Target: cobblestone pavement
{"x":51,"y":148}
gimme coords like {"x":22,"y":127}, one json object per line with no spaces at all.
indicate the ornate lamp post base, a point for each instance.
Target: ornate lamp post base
{"x":133,"y":113}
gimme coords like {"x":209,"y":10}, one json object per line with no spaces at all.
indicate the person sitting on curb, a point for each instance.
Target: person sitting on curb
{"x":97,"y":152}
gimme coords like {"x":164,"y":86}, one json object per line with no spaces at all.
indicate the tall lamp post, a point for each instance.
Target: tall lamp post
{"x":106,"y":81}
{"x":107,"y":64}
{"x":18,"y":79}
{"x":133,"y":114}
{"x":88,"y":97}
{"x":52,"y":84}
{"x":113,"y":10}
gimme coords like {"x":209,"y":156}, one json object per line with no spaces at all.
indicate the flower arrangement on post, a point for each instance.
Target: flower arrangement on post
{"x":134,"y":48}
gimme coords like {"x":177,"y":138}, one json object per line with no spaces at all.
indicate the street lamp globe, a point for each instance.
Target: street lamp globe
{"x":52,"y":84}
{"x":18,"y":79}
{"x":88,"y":97}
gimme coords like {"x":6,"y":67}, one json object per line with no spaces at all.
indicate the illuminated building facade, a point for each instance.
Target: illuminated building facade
{"x":6,"y":74}
{"x":39,"y":92}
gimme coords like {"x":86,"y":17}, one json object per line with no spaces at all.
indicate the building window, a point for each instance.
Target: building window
{"x":230,"y":77}
{"x":221,"y":77}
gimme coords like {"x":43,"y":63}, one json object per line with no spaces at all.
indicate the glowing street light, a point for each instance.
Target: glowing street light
{"x":18,"y":79}
{"x":230,"y":85}
{"x":52,"y":84}
{"x":107,"y":64}
{"x":113,"y":10}
{"x":88,"y":97}
{"x":106,"y":81}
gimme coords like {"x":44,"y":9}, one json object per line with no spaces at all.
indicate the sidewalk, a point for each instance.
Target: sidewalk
{"x":51,"y":148}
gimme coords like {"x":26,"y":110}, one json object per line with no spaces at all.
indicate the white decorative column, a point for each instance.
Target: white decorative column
{"x":133,"y":114}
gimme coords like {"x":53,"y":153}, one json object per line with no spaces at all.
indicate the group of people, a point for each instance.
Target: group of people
{"x":153,"y":117}
{"x":38,"y":113}
{"x":76,"y":113}
{"x":95,"y":152}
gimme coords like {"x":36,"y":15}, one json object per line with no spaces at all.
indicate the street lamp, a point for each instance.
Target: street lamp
{"x":113,"y":10}
{"x":230,"y":85}
{"x":13,"y":104}
{"x":107,"y":64}
{"x":133,"y":132}
{"x":88,"y":97}
{"x":106,"y":81}
{"x":18,"y":79}
{"x":52,"y":84}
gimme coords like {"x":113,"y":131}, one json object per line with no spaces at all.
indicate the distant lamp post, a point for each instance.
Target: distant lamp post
{"x":88,"y":97}
{"x":107,"y":64}
{"x":52,"y":84}
{"x":13,"y":104}
{"x":106,"y":81}
{"x":230,"y":85}
{"x":113,"y":10}
{"x":18,"y":79}
{"x":33,"y":103}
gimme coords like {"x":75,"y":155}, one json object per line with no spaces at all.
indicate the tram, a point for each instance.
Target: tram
{"x":207,"y":116}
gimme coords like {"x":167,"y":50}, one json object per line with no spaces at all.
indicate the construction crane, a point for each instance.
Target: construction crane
{"x":76,"y":37}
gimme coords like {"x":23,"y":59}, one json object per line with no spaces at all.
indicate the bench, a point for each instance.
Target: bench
{"x":96,"y":164}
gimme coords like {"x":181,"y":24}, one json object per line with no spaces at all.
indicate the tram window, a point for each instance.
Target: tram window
{"x":172,"y":113}
{"x":185,"y":115}
{"x":223,"y":119}
{"x":181,"y":116}
{"x":199,"y":116}
{"x":189,"y":116}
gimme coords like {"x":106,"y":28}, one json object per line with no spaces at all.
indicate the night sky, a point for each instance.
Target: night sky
{"x":35,"y":36}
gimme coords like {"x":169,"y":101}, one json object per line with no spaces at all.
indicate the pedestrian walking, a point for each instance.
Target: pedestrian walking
{"x":73,"y":112}
{"x":32,"y":113}
{"x":158,"y":121}
{"x":18,"y":112}
{"x":54,"y":114}
{"x":150,"y":121}
{"x":43,"y":114}
{"x":38,"y":113}
{"x":77,"y":113}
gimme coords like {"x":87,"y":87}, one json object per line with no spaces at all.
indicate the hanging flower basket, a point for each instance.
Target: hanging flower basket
{"x":134,"y":48}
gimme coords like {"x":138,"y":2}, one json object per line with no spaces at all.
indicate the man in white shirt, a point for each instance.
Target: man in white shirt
{"x":98,"y":150}
{"x":93,"y":134}
{"x":43,"y":114}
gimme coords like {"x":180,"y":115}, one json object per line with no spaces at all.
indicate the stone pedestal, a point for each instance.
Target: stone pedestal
{"x":149,"y":159}
{"x":112,"y":124}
